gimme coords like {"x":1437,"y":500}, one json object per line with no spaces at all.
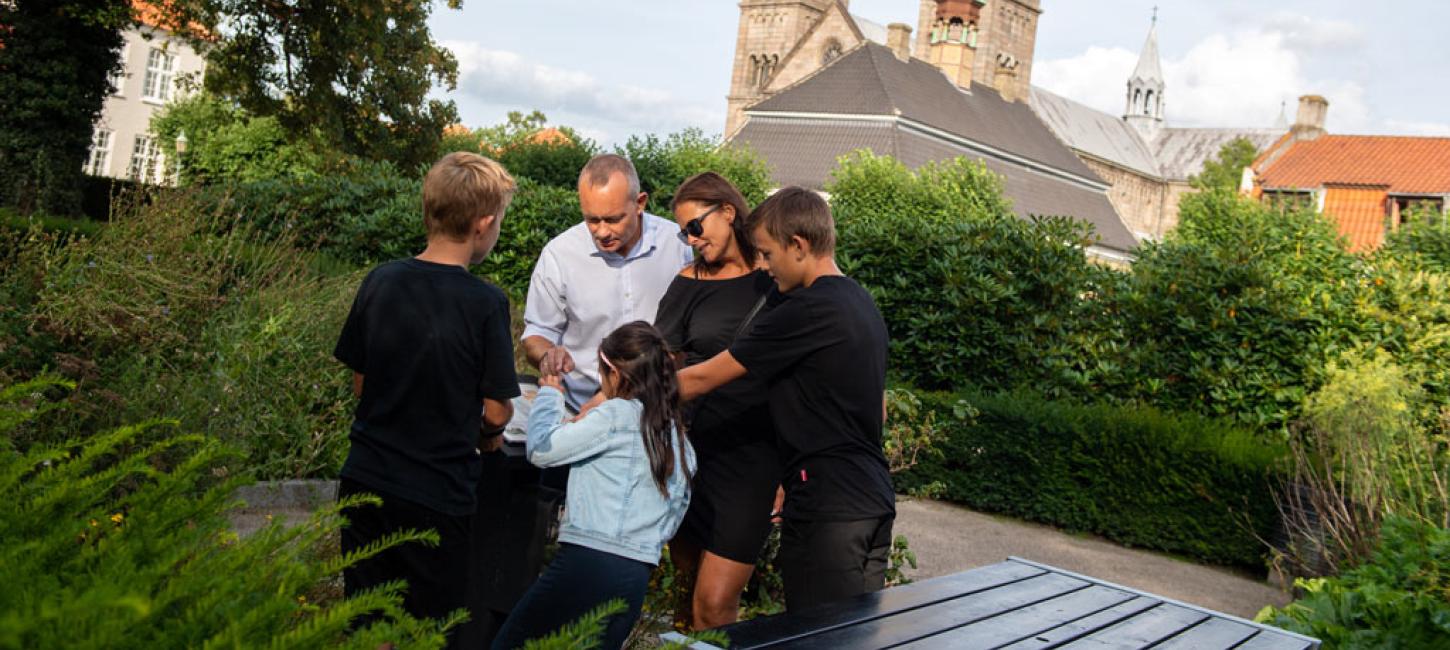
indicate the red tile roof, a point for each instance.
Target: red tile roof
{"x":1360,"y":214}
{"x":1407,"y":165}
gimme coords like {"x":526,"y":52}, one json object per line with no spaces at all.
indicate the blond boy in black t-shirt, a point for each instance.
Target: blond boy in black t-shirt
{"x":432,"y":358}
{"x":822,"y":350}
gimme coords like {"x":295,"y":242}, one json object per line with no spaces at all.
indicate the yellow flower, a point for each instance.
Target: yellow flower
{"x":117,"y":518}
{"x":301,"y":600}
{"x":95,"y":523}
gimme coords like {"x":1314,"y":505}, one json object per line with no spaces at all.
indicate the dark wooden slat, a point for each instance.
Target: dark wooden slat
{"x":1028,"y":621}
{"x":1214,"y":633}
{"x":925,"y":621}
{"x":1086,"y":625}
{"x":1270,"y":640}
{"x":1142,"y":630}
{"x":773,"y":630}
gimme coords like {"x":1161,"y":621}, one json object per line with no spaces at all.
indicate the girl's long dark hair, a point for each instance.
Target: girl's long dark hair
{"x":644,"y":370}
{"x":713,"y":190}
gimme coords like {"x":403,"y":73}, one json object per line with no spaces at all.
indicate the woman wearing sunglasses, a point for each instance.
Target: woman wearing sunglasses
{"x":709,"y":304}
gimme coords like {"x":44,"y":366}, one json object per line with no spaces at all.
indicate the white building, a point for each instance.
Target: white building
{"x":152,"y":61}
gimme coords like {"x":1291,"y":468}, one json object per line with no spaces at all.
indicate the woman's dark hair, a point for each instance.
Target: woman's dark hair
{"x":713,"y":190}
{"x":644,"y":370}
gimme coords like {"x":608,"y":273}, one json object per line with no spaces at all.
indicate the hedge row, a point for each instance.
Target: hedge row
{"x":1170,"y":482}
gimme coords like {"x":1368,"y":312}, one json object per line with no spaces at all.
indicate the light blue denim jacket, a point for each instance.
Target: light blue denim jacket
{"x":613,"y":503}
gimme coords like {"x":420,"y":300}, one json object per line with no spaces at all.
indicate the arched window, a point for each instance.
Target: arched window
{"x":954,"y":31}
{"x":831,"y":52}
{"x":754,"y":70}
{"x":1138,"y":100}
{"x":1148,"y":104}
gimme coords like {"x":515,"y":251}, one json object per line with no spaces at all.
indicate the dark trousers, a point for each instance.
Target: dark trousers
{"x":437,"y":576}
{"x":578,"y":580}
{"x":825,"y":561}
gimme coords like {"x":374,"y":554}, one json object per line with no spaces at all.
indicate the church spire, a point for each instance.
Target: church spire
{"x":1144,"y":105}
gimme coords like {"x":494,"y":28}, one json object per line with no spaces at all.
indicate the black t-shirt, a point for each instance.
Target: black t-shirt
{"x":700,"y":318}
{"x":823,"y":352}
{"x":431,"y":341}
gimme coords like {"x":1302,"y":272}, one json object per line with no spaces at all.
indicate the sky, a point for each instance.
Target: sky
{"x":615,"y":69}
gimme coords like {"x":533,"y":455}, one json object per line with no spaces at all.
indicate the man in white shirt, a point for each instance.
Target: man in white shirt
{"x":607,"y":271}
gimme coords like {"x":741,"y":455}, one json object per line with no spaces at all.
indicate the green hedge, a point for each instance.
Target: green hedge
{"x":1170,"y":482}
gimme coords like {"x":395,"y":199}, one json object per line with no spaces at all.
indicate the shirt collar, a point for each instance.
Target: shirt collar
{"x":646,"y":245}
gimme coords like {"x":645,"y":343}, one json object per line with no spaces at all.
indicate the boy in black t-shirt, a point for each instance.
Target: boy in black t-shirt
{"x":822,"y":350}
{"x":432,"y":359}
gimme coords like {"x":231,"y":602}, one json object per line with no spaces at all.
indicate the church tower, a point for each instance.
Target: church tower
{"x":951,"y":32}
{"x":768,"y":31}
{"x":1145,"y":89}
{"x":1005,"y":38}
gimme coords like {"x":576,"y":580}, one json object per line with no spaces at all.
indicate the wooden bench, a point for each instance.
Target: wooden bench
{"x":1016,"y":604}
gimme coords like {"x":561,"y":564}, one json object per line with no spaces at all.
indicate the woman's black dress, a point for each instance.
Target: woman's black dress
{"x":730,"y":428}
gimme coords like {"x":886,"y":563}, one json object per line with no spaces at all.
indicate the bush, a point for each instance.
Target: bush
{"x":1236,"y":311}
{"x":663,"y":164}
{"x":1423,"y":241}
{"x":1397,"y":600}
{"x":225,"y":144}
{"x":1171,"y":482}
{"x":972,"y":294}
{"x":1361,"y":454}
{"x":121,"y":540}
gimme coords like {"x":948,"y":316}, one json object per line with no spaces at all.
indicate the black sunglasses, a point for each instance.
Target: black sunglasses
{"x":696,"y":227}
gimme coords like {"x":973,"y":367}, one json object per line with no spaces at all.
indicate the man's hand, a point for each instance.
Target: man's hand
{"x":556,"y":362}
{"x":491,"y":444}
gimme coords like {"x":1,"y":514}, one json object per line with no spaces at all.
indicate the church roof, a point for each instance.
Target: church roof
{"x":1094,"y":132}
{"x":870,"y":30}
{"x":804,"y":150}
{"x":1181,"y":152}
{"x":870,"y":80}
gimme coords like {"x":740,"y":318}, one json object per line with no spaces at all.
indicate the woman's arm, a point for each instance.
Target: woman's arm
{"x":553,"y":442}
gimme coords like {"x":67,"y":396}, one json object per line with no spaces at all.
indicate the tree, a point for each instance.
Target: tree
{"x":1226,"y":171}
{"x":55,"y":62}
{"x":356,"y":74}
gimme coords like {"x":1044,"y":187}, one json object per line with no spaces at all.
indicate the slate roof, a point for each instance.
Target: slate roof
{"x":870,"y":30}
{"x":1181,"y":152}
{"x":870,"y":80}
{"x":804,"y":151}
{"x":1404,"y":164}
{"x":1094,"y":132}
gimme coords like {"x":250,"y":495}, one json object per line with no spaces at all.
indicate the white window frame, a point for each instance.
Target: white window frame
{"x":160,"y":76}
{"x":147,"y":165}
{"x":98,"y":160}
{"x":119,"y":78}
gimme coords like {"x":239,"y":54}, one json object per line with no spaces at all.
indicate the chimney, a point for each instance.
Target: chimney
{"x":898,"y":38}
{"x":1005,"y":77}
{"x":1309,"y":123}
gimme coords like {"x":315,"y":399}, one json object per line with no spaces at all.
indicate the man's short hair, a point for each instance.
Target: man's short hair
{"x":604,"y":166}
{"x":796,"y":211}
{"x":460,"y":188}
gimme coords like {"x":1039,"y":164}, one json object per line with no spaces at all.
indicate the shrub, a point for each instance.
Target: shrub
{"x":1234,"y":313}
{"x":663,"y":164}
{"x":1422,"y":242}
{"x":225,"y":144}
{"x":972,"y":294}
{"x":1172,"y":482}
{"x":1397,"y":600}
{"x":1360,"y":455}
{"x":121,"y":540}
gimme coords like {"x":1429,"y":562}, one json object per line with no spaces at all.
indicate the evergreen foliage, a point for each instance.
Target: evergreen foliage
{"x":1225,"y":171}
{"x":1178,"y":483}
{"x":55,"y":64}
{"x":120,"y":539}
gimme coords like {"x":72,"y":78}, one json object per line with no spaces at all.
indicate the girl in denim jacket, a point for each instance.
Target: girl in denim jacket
{"x":629,"y":486}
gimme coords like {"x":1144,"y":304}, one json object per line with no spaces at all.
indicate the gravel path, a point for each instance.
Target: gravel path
{"x":948,"y":538}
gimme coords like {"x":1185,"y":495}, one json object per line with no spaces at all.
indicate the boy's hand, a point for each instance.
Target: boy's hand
{"x":552,"y":380}
{"x":556,"y":362}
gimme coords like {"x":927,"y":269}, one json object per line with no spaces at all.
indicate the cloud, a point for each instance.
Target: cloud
{"x":497,"y":80}
{"x":1224,"y":80}
{"x":1304,"y":33}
